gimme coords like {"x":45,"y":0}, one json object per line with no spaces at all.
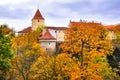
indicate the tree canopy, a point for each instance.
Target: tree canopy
{"x":5,"y":55}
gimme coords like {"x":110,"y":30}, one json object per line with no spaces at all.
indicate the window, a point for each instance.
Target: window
{"x":49,"y":43}
{"x":38,"y":21}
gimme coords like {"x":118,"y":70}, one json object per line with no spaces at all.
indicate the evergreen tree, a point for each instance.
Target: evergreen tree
{"x":5,"y":55}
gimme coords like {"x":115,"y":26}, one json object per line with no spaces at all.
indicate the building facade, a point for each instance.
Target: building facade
{"x":51,"y":36}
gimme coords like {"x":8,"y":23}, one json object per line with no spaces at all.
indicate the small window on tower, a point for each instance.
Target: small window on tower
{"x":49,"y":43}
{"x":38,"y":21}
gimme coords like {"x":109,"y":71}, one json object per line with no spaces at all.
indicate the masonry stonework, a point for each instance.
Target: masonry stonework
{"x":37,"y":23}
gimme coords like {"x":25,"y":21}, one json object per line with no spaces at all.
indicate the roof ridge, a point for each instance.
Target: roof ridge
{"x":47,"y":36}
{"x":25,"y":30}
{"x":38,"y":15}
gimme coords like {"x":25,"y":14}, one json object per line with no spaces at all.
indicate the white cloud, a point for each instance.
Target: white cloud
{"x":17,"y":24}
{"x":60,"y":13}
{"x":5,"y":2}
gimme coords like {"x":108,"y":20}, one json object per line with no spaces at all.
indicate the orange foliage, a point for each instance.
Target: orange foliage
{"x":7,"y":31}
{"x":87,"y":42}
{"x":116,"y":30}
{"x":27,"y":50}
{"x":86,"y":36}
{"x":63,"y":67}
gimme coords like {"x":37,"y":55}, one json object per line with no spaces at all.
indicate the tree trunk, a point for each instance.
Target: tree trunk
{"x":81,"y":53}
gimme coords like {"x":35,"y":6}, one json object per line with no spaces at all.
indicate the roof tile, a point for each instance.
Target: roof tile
{"x":26,"y":30}
{"x":110,"y":27}
{"x":47,"y":36}
{"x":56,"y":28}
{"x":38,"y":15}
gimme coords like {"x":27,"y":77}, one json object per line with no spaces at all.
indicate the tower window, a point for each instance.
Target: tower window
{"x":49,"y":43}
{"x":38,"y":21}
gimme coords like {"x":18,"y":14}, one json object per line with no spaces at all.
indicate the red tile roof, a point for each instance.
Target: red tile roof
{"x":85,"y":22}
{"x":110,"y":27}
{"x":47,"y":36}
{"x":38,"y":15}
{"x":56,"y":28}
{"x":29,"y":29}
{"x":26,"y":30}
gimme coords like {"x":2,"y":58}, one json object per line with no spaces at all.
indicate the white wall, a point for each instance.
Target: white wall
{"x":60,"y":35}
{"x":48,"y":46}
{"x":111,"y":35}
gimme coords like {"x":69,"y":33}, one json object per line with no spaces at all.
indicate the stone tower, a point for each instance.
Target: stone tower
{"x":37,"y":20}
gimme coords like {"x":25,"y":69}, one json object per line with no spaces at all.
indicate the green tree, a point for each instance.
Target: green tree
{"x":114,"y":60}
{"x":5,"y":55}
{"x":40,"y":29}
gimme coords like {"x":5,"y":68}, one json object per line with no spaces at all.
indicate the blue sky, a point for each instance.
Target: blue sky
{"x":18,"y":13}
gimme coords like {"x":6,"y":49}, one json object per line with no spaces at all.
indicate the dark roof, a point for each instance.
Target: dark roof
{"x":26,"y":30}
{"x":47,"y":36}
{"x":38,"y":15}
{"x":56,"y":28}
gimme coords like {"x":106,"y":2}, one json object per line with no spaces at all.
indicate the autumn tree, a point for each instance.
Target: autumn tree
{"x":114,"y":59}
{"x":7,"y":31}
{"x":116,"y":30}
{"x":87,"y":42}
{"x":69,"y":65}
{"x":61,"y":67}
{"x":5,"y":55}
{"x":85,"y":37}
{"x":27,"y":50}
